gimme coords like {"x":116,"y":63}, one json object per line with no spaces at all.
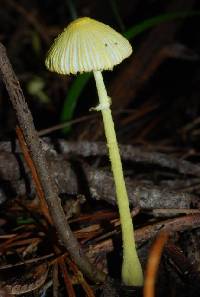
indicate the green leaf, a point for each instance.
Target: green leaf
{"x":72,"y":98}
{"x":24,"y":221}
{"x":149,"y":23}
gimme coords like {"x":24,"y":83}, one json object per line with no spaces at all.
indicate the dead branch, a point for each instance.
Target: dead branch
{"x":39,"y":158}
{"x":148,"y":232}
{"x":129,"y":153}
{"x":100,"y":184}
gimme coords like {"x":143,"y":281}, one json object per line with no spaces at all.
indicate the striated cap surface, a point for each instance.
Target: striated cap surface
{"x":87,"y":45}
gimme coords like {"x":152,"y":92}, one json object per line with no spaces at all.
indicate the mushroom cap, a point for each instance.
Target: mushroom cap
{"x":87,"y":45}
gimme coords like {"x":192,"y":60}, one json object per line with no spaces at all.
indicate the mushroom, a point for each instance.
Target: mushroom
{"x":88,"y":45}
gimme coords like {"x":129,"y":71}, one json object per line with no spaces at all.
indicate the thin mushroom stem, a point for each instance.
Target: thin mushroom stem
{"x":131,"y":268}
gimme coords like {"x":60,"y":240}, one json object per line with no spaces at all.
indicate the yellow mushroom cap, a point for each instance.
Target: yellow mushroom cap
{"x":87,"y":45}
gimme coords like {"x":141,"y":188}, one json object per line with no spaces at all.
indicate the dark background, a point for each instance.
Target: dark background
{"x":156,"y":92}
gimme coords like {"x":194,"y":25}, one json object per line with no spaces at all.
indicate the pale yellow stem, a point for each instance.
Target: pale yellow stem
{"x":131,"y":268}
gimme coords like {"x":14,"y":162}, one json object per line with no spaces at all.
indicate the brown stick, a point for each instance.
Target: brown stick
{"x":38,"y":156}
{"x":36,"y":180}
{"x":143,"y":234}
{"x":132,"y":153}
{"x":100,"y":184}
{"x":153,"y":264}
{"x":67,"y":279}
{"x":136,"y":154}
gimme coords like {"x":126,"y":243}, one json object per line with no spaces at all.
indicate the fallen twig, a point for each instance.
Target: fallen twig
{"x":100,"y":184}
{"x":129,"y":153}
{"x":148,"y":232}
{"x":39,"y":158}
{"x":36,"y":180}
{"x":153,"y":264}
{"x":67,"y":280}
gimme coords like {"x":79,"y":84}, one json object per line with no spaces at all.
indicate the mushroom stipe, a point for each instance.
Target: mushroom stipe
{"x":88,"y":45}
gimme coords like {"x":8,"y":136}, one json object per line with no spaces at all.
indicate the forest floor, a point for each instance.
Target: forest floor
{"x":156,"y":108}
